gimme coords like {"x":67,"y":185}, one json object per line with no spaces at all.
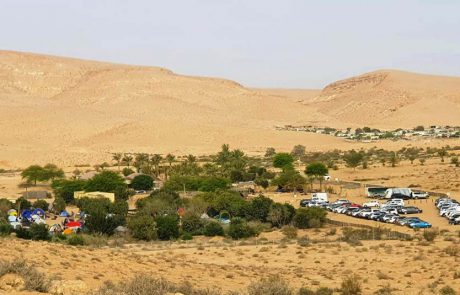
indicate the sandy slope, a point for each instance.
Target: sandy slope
{"x":70,"y":111}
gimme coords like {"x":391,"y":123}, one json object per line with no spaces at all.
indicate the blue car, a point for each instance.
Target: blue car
{"x":420,"y":224}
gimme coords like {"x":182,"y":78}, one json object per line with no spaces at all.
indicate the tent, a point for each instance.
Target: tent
{"x":12,"y":212}
{"x":12,"y":218}
{"x":73,"y":224}
{"x":68,"y":231}
{"x":39,"y":211}
{"x":55,"y":228}
{"x":64,"y":214}
{"x":26,"y":214}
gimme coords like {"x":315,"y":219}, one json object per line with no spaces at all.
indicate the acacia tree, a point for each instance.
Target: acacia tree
{"x":283,"y":160}
{"x":353,"y":159}
{"x":442,"y":153}
{"x":317,"y":171}
{"x":37,"y":173}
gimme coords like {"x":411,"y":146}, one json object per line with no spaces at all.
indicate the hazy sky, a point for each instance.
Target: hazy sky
{"x":266,"y":43}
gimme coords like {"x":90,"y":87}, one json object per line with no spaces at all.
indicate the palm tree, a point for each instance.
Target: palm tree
{"x":128,"y":159}
{"x":170,"y":159}
{"x":191,"y":159}
{"x":156,"y":160}
{"x":117,"y":158}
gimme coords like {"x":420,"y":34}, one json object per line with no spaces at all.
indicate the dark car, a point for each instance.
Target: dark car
{"x":409,"y":210}
{"x":305,"y":202}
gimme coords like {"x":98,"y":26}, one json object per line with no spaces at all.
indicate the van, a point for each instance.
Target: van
{"x":323,"y":197}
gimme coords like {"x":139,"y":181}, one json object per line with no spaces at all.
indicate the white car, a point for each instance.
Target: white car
{"x":372,"y":204}
{"x":420,"y":195}
{"x":395,"y":202}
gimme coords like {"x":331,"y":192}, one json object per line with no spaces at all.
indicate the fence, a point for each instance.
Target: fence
{"x":390,"y":234}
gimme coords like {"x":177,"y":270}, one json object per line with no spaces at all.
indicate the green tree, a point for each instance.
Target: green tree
{"x":353,"y":159}
{"x":280,"y":214}
{"x":259,"y":208}
{"x":65,"y":188}
{"x":240,"y":229}
{"x":442,"y":153}
{"x":317,"y":171}
{"x":142,"y":182}
{"x":110,"y":182}
{"x":270,"y":152}
{"x":212,"y":229}
{"x":298,"y":151}
{"x":33,"y":174}
{"x":59,"y":204}
{"x":283,"y":160}
{"x":51,"y":172}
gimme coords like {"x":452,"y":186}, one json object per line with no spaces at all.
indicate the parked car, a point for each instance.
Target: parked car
{"x":371,"y":204}
{"x":420,"y":195}
{"x":420,"y":224}
{"x":409,"y":210}
{"x":304,"y":202}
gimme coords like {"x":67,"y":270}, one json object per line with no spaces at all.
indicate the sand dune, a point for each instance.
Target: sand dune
{"x":71,"y":111}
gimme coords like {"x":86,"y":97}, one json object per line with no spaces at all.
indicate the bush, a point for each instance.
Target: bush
{"x":59,"y":204}
{"x":23,"y":203}
{"x":259,"y":208}
{"x":430,"y":234}
{"x":212,"y":229}
{"x":192,"y":224}
{"x":186,"y":237}
{"x":42,"y":204}
{"x":23,"y":233}
{"x":306,"y":291}
{"x":167,"y":227}
{"x":142,"y":182}
{"x":39,"y":232}
{"x":102,"y":223}
{"x":324,"y":291}
{"x":280,"y":214}
{"x":76,"y":240}
{"x":351,"y":285}
{"x":64,"y":188}
{"x":289,"y":231}
{"x":33,"y":279}
{"x":447,"y":290}
{"x":273,"y":285}
{"x":309,"y":217}
{"x":127,"y":171}
{"x":239,"y":229}
{"x":5,"y":228}
{"x":143,"y":227}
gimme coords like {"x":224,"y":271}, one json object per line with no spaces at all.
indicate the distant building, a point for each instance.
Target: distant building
{"x":35,"y":195}
{"x":94,"y":195}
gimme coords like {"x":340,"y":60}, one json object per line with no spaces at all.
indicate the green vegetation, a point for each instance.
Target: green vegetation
{"x":142,"y":182}
{"x":36,"y":173}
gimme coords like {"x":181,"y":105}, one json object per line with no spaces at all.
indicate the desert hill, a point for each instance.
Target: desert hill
{"x":67,"y":110}
{"x":71,"y":111}
{"x":391,"y":98}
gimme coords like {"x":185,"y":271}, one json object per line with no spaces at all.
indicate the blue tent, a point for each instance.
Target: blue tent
{"x":64,"y":214}
{"x":39,"y":212}
{"x":26,"y":214}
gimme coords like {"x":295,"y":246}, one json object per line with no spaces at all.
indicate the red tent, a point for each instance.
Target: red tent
{"x":73,"y":224}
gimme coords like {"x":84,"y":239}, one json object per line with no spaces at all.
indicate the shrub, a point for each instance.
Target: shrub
{"x":212,"y":229}
{"x":324,"y":291}
{"x":142,"y":182}
{"x":127,"y":171}
{"x":430,"y":234}
{"x":309,"y":217}
{"x":280,"y":214}
{"x":23,"y":203}
{"x":39,"y":232}
{"x":452,"y":250}
{"x":273,"y":285}
{"x":76,"y":240}
{"x":5,"y":228}
{"x":385,"y":290}
{"x":59,"y":204}
{"x":240,"y":229}
{"x":192,"y":224}
{"x":259,"y":208}
{"x":306,"y":291}
{"x":102,"y":223}
{"x":351,"y":285}
{"x":167,"y":227}
{"x":447,"y":290}
{"x":23,"y":233}
{"x":143,"y":227}
{"x":289,"y":231}
{"x":186,"y":236}
{"x":33,"y":279}
{"x":42,"y":204}
{"x":64,"y":188}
